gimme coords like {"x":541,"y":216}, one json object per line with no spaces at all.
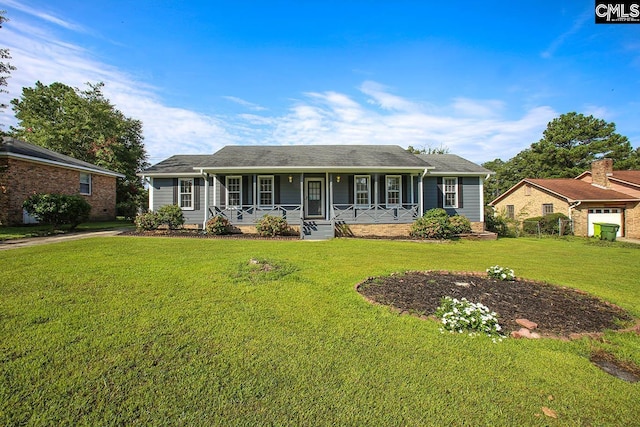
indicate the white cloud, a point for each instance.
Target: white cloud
{"x":578,"y":23}
{"x":244,"y":103}
{"x":44,"y":16}
{"x":479,"y":130}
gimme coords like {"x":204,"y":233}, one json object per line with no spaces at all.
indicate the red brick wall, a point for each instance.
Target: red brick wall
{"x":19,"y":179}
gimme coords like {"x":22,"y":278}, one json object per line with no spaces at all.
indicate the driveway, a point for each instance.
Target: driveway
{"x":35,"y":241}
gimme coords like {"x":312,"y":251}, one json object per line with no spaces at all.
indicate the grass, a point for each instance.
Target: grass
{"x":37,"y":230}
{"x":157,"y":331}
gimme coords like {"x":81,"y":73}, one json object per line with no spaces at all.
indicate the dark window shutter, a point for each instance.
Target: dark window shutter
{"x":175,"y":191}
{"x":196,"y":194}
{"x":439,"y":192}
{"x":276,"y":189}
{"x":223,"y":190}
{"x":406,"y":190}
{"x":247,"y":190}
{"x":351,"y":184}
{"x":460,"y":187}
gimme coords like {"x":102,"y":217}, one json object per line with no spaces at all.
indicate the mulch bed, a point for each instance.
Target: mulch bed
{"x":558,"y":311}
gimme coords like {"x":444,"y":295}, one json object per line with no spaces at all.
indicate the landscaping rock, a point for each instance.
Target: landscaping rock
{"x":526,"y":323}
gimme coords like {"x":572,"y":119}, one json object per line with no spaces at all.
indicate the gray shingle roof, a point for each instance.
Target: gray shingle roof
{"x":11,"y":147}
{"x":451,"y":163}
{"x":327,"y":157}
{"x":316,"y":156}
{"x":180,"y":163}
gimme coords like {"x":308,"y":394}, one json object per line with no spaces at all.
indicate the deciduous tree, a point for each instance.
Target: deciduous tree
{"x":83,"y":124}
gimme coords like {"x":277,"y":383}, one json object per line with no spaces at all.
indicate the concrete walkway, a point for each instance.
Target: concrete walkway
{"x":36,"y":241}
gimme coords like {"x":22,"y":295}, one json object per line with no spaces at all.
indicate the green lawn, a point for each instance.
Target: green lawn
{"x":172,"y":331}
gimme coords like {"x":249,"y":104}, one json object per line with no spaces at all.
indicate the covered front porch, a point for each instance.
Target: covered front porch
{"x":315,"y":201}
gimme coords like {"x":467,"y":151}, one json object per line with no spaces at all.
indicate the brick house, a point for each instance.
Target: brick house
{"x":26,"y":169}
{"x":598,"y":195}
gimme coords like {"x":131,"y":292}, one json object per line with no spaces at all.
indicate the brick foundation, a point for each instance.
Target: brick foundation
{"x":19,"y":179}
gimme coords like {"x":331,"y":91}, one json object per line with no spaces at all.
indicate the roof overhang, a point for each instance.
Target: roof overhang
{"x":308,"y":169}
{"x":61,"y":164}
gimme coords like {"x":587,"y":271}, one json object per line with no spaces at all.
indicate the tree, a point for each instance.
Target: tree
{"x":428,"y":150}
{"x":83,"y":124}
{"x":5,"y":67}
{"x":568,"y":146}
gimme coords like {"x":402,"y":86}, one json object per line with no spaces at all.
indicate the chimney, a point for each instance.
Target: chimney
{"x":601,"y":170}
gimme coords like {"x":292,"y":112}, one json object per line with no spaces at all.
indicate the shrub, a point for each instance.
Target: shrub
{"x":436,"y":213}
{"x":147,"y":221}
{"x":431,"y":228}
{"x":501,"y":273}
{"x":549,"y":224}
{"x":58,"y":209}
{"x":270,"y":226}
{"x":459,"y":224}
{"x":500,"y":224}
{"x":218,"y":225}
{"x":437,"y":224}
{"x":127,"y":209}
{"x":464,"y":316}
{"x":171,"y":216}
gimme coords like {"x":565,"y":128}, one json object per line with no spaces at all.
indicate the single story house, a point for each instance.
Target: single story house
{"x":27,"y":169}
{"x":367,"y":189}
{"x":600,"y":195}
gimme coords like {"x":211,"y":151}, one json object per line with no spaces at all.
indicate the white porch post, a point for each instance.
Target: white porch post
{"x":331,"y":196}
{"x":151,"y":194}
{"x":301,"y":196}
{"x":421,"y":195}
{"x":206,"y":200}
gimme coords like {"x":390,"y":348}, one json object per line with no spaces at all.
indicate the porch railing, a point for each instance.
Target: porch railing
{"x":347,"y":213}
{"x":250,"y":214}
{"x":380,"y":213}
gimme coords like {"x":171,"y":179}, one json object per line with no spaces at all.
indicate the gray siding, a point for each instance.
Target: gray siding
{"x":470,"y":197}
{"x":163,"y":194}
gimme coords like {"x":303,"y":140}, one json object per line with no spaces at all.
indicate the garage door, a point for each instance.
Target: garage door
{"x":608,"y":215}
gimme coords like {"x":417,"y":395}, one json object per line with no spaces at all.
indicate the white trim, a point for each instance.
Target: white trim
{"x":191,"y":193}
{"x":386,"y":192}
{"x":62,"y":165}
{"x":206,"y":200}
{"x":355,"y":191}
{"x":445,"y":192}
{"x":226,"y":188}
{"x":81,"y":183}
{"x":260,"y":192}
{"x":481,"y":188}
{"x":151,"y":194}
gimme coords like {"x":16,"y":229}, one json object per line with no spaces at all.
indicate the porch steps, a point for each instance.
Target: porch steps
{"x":317,"y":230}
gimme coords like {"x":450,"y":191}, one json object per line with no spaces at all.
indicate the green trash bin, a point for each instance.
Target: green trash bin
{"x":608,"y":231}
{"x":596,"y":229}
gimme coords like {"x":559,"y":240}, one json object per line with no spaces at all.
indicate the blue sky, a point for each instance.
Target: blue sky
{"x":480,"y":78}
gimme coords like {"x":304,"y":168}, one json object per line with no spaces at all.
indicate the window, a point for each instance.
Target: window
{"x":450,"y":192}
{"x":527,"y":190}
{"x":185,"y":193}
{"x":85,"y":183}
{"x":362,"y":190}
{"x":234,"y":191}
{"x":394,"y":190}
{"x":547,"y":209}
{"x":265,"y":190}
{"x":511,"y":211}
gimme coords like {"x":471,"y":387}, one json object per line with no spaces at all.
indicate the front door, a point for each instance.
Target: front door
{"x":314,"y":198}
